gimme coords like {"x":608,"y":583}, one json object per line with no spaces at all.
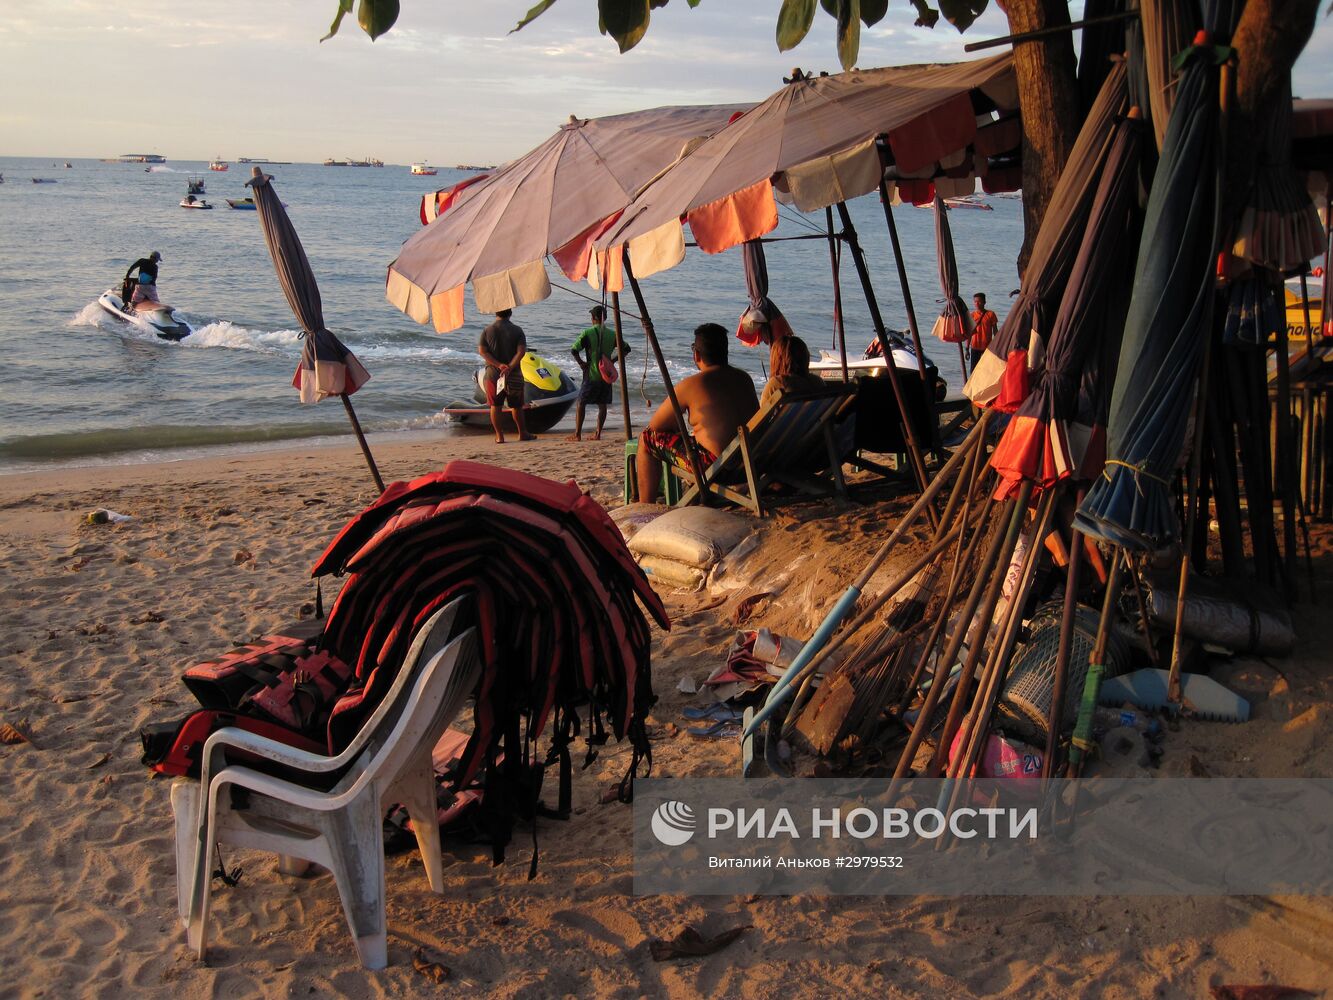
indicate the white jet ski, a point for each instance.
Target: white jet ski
{"x":152,"y":317}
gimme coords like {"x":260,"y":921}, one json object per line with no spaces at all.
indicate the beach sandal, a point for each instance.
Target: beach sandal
{"x":716,"y":730}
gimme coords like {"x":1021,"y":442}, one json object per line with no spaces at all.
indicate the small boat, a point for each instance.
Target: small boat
{"x":43,"y":180}
{"x":335,"y":163}
{"x":376,"y":163}
{"x":242,"y":203}
{"x":190,"y":201}
{"x":68,"y":165}
{"x":195,"y":185}
{"x":151,"y":317}
{"x":548,"y":393}
{"x":424,"y":169}
{"x":219,"y":165}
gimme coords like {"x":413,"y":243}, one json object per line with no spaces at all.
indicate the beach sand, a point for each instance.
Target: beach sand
{"x":99,"y":620}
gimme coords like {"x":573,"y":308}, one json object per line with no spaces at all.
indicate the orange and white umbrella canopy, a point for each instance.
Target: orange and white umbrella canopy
{"x":496,"y":231}
{"x":812,"y":144}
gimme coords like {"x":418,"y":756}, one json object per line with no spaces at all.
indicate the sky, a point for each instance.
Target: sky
{"x":193,"y":79}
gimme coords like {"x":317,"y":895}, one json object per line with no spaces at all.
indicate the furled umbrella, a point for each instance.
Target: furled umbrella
{"x":496,"y":232}
{"x":1046,"y":441}
{"x":1000,"y":379}
{"x":1169,"y":314}
{"x":762,"y":322}
{"x":327,"y":367}
{"x":954,"y":325}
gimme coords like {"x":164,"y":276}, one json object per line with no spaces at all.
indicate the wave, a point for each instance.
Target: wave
{"x":109,"y":441}
{"x":162,"y":170}
{"x":224,"y":333}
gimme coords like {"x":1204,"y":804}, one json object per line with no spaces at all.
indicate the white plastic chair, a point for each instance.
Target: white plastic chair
{"x":390,"y":761}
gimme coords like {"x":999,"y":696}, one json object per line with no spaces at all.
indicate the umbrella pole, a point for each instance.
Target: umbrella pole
{"x":1055,"y":715}
{"x":620,"y":352}
{"x":696,"y":467}
{"x":837,"y":293}
{"x":907,"y":302}
{"x":361,"y":440}
{"x":890,"y":369}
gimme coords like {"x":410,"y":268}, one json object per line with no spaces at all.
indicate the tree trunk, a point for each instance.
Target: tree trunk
{"x":1048,"y":99}
{"x":1269,"y":37}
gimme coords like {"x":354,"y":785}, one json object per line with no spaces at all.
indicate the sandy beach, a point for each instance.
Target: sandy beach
{"x":99,"y":621}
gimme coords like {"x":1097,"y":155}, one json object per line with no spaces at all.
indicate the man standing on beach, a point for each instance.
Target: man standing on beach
{"x":716,"y":400}
{"x":502,"y":347}
{"x":598,"y":342}
{"x":985,"y":324}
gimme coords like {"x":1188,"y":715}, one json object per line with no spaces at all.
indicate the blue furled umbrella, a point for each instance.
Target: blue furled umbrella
{"x":1169,"y":313}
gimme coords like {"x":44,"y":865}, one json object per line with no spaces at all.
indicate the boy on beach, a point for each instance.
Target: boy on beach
{"x":502,"y":346}
{"x":985,"y":324}
{"x":598,"y":343}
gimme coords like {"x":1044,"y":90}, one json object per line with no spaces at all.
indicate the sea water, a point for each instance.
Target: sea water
{"x":77,"y":386}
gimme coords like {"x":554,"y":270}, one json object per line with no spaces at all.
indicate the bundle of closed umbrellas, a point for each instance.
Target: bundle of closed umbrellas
{"x":555,"y":597}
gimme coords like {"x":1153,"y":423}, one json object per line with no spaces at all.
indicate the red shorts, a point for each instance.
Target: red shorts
{"x":668,"y":445}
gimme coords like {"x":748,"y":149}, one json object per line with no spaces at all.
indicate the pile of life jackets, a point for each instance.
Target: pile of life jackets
{"x":556,"y":599}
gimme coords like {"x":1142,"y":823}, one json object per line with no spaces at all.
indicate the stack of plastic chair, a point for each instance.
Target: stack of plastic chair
{"x":299,"y":816}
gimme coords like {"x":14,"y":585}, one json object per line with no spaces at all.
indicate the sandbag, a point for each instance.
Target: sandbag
{"x":633,"y":517}
{"x":695,"y":536}
{"x":662,"y":572}
{"x":1246,"y":619}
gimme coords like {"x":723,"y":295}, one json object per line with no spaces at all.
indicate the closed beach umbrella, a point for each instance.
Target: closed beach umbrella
{"x":327,"y":367}
{"x":1048,"y":440}
{"x":955,"y":323}
{"x":1000,"y":379}
{"x":1169,"y":313}
{"x":497,"y":231}
{"x":762,"y":322}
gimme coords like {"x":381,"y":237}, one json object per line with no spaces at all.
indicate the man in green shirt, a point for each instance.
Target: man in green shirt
{"x":597,"y":342}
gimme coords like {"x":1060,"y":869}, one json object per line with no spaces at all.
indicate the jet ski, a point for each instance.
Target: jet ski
{"x":151,"y":317}
{"x":548,"y":394}
{"x":190,"y":201}
{"x":871,"y":364}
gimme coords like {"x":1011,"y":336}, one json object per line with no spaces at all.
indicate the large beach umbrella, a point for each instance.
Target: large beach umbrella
{"x":1046,"y":441}
{"x":1169,"y":313}
{"x":327,"y":367}
{"x":496,"y":232}
{"x":812,"y":143}
{"x":1001,"y":378}
{"x":954,"y":324}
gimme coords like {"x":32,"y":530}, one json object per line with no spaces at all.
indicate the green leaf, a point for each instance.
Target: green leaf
{"x":692,"y":3}
{"x":344,"y":7}
{"x":926,"y":15}
{"x":376,"y":16}
{"x":849,"y":32}
{"x":873,"y":11}
{"x":532,"y":15}
{"x":830,"y":7}
{"x":961,"y":13}
{"x":624,"y":20}
{"x":654,"y":4}
{"x":794,"y":21}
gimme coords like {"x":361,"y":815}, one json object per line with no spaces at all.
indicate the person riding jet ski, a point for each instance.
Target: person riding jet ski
{"x":134,"y":290}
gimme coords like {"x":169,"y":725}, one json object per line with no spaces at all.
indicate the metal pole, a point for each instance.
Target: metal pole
{"x":909,"y":432}
{"x":624,"y":380}
{"x":695,"y":466}
{"x":833,"y":254}
{"x":361,"y":440}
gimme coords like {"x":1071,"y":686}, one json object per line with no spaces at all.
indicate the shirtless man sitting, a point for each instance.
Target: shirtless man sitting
{"x":716,"y":402}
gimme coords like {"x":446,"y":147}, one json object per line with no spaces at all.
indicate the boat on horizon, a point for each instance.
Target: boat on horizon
{"x":424,"y":169}
{"x":138,"y":158}
{"x":264,"y":160}
{"x":219,"y":165}
{"x":330,"y":162}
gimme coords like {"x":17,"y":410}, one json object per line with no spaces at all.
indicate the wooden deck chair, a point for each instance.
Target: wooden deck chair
{"x":798,"y":440}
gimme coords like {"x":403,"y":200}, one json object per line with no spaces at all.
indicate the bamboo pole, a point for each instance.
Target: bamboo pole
{"x":1001,"y":541}
{"x":1055,"y":715}
{"x":361,"y":440}
{"x":624,"y":380}
{"x":833,"y":254}
{"x":909,"y":432}
{"x":705,"y":495}
{"x":912,"y":328}
{"x":1082,"y":740}
{"x":980,"y":628}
